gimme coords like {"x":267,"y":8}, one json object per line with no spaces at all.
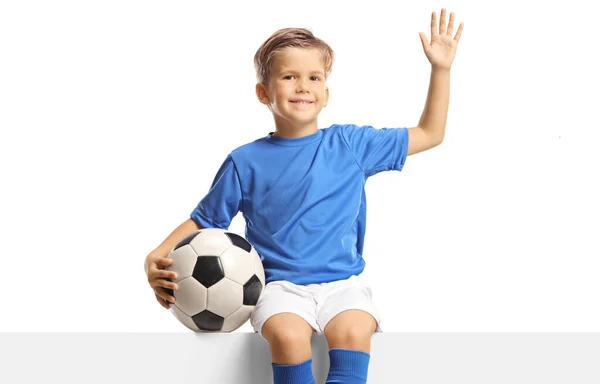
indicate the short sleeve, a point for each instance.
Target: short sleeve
{"x":377,"y":150}
{"x":223,"y":201}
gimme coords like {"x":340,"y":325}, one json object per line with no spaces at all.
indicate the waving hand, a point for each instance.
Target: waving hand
{"x":442,"y":49}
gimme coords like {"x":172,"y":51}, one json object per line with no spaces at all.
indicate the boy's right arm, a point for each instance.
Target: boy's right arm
{"x":158,"y":260}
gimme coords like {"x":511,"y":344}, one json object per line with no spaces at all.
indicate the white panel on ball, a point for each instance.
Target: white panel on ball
{"x":191,"y":297}
{"x":184,"y":260}
{"x":225,"y":297}
{"x":208,"y":243}
{"x":237,"y":318}
{"x":184,"y":318}
{"x":237,"y":264}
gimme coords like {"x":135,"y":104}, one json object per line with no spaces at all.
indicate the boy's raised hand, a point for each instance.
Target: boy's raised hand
{"x":442,"y":49}
{"x":159,"y":279}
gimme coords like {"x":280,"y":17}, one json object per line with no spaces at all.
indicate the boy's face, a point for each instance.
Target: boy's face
{"x":296,"y":92}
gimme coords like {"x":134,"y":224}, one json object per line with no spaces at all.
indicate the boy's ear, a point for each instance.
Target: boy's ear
{"x":261,"y":93}
{"x":326,"y":97}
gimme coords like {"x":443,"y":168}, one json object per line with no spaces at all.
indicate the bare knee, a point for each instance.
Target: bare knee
{"x":351,"y":337}
{"x":289,"y":337}
{"x":351,"y":330}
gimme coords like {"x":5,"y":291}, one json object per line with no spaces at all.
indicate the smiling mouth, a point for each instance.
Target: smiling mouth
{"x":300,"y":102}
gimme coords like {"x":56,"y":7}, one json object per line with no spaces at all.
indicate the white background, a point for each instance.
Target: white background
{"x":116,"y":115}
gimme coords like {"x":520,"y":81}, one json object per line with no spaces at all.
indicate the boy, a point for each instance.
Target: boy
{"x":301,"y":191}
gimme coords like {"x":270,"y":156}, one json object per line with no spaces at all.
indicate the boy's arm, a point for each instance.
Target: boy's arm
{"x":440,"y":53}
{"x":432,"y":125}
{"x":178,"y":233}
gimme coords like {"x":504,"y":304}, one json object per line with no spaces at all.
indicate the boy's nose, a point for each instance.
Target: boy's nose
{"x":301,"y":86}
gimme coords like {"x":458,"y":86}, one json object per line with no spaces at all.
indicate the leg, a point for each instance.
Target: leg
{"x":289,"y":337}
{"x":285,"y":317}
{"x":348,"y":318}
{"x":349,"y":337}
{"x":351,"y":329}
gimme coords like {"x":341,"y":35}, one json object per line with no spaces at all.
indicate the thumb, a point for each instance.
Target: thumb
{"x":424,"y":41}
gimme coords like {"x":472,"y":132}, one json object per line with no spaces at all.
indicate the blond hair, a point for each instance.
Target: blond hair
{"x":286,"y":38}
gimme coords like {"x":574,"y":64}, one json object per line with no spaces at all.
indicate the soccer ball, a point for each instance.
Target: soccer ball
{"x":220,"y":278}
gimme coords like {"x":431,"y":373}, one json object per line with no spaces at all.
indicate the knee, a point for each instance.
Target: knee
{"x":289,"y":339}
{"x":350,"y":334}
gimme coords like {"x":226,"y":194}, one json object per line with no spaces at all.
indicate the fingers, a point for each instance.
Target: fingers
{"x":164,"y":262}
{"x":162,"y":302}
{"x":424,"y":41}
{"x":162,"y":274}
{"x":156,"y":270}
{"x":450,"y":25}
{"x":164,"y":289}
{"x":443,"y":22}
{"x":433,"y":24}
{"x":443,"y":30}
{"x":165,"y":283}
{"x":161,"y":281}
{"x":459,"y":32}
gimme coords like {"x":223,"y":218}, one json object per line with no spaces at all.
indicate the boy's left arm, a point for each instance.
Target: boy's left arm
{"x":440,"y":53}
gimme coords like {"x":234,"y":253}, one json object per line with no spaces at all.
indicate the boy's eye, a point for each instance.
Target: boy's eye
{"x":313,"y":78}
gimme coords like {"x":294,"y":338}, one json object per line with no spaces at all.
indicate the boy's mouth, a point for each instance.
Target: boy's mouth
{"x":301,"y":101}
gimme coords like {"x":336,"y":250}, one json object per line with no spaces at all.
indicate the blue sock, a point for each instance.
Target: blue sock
{"x":293,"y":373}
{"x":347,"y":367}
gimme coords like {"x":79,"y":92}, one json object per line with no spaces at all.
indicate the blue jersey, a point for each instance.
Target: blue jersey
{"x":303,"y":199}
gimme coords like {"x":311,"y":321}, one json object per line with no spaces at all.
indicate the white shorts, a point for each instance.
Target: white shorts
{"x":315,"y":303}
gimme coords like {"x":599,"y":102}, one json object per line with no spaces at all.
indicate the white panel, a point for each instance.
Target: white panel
{"x":183,"y":318}
{"x":211,"y":242}
{"x":225,"y":297}
{"x":184,"y":260}
{"x":237,"y":318}
{"x":238,"y":264}
{"x":191,"y":296}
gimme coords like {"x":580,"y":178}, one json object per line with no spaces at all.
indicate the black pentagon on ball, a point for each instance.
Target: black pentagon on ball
{"x":239,"y":241}
{"x":208,"y":321}
{"x":186,"y":240}
{"x":252,"y":290}
{"x":208,"y":270}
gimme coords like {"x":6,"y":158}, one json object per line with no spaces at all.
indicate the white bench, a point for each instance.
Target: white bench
{"x":240,"y":358}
